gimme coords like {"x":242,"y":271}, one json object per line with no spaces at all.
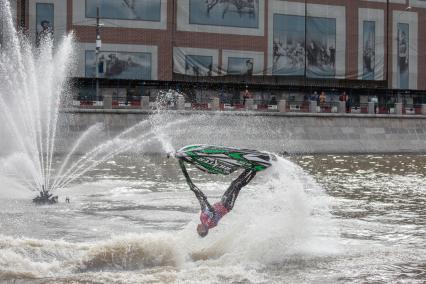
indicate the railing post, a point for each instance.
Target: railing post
{"x":342,"y":107}
{"x":249,"y":104}
{"x":398,"y":108}
{"x":282,"y":106}
{"x":215,"y":104}
{"x":107,"y":100}
{"x":313,"y":106}
{"x":145,"y":102}
{"x":371,"y":107}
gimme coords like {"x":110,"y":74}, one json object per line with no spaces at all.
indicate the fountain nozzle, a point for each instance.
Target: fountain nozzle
{"x":45,"y":197}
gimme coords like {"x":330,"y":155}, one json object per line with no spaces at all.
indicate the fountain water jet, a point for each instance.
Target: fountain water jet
{"x":124,"y":141}
{"x":33,"y":84}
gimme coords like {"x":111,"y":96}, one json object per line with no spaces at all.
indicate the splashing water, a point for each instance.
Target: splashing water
{"x":277,"y":218}
{"x":275,"y":215}
{"x":162,"y":116}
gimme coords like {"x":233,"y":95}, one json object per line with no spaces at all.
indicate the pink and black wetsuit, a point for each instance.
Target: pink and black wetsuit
{"x":209,"y":218}
{"x":210,"y":215}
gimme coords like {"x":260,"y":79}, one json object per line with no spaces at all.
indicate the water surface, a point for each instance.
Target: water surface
{"x":317,"y":219}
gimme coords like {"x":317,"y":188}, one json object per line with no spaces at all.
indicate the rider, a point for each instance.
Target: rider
{"x":210,"y":215}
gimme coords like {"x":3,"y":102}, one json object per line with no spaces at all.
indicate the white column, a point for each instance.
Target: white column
{"x":282,"y":106}
{"x":215,"y":104}
{"x":398,"y":108}
{"x":145,"y":102}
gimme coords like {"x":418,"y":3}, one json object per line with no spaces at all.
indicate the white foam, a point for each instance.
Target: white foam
{"x":272,"y":219}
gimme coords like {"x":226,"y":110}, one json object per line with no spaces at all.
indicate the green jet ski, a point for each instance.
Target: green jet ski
{"x":224,"y":160}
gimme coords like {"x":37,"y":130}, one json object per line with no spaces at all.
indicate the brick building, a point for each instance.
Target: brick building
{"x":275,"y":48}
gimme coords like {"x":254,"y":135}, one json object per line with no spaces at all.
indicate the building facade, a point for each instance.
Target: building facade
{"x":298,"y":46}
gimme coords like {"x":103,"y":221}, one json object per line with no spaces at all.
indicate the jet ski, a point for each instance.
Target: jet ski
{"x":224,"y":160}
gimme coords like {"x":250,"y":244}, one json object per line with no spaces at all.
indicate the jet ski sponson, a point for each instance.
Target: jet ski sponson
{"x":224,"y":160}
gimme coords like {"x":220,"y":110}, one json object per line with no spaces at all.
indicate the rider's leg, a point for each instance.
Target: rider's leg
{"x":202,"y":198}
{"x":231,"y":194}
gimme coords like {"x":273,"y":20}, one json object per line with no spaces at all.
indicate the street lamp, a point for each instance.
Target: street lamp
{"x":98,"y":49}
{"x":1,"y":27}
{"x":306,"y":45}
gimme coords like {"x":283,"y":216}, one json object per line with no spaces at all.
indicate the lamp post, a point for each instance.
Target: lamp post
{"x":387,"y":45}
{"x":23,"y":13}
{"x":306,"y":44}
{"x":1,"y":27}
{"x":98,"y":48}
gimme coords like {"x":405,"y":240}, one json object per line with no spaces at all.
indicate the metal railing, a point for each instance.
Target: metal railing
{"x":305,"y":106}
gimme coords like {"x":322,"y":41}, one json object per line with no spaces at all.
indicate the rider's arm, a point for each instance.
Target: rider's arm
{"x":198,"y":193}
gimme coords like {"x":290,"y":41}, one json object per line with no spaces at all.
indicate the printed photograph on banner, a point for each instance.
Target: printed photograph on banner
{"x":198,"y":65}
{"x":119,"y":65}
{"x":44,"y":21}
{"x":288,"y":45}
{"x":230,"y":13}
{"x":321,"y":47}
{"x":240,"y":66}
{"x":141,"y":10}
{"x":403,"y":55}
{"x":369,"y":50}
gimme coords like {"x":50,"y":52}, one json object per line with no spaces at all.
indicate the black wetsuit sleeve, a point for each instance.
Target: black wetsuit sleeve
{"x":202,"y":199}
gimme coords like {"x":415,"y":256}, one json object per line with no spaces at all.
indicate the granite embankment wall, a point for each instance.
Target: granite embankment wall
{"x":275,"y":132}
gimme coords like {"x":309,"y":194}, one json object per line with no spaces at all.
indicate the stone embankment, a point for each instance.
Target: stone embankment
{"x":271,"y":131}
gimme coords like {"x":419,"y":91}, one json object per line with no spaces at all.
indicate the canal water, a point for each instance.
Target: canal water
{"x":307,"y":219}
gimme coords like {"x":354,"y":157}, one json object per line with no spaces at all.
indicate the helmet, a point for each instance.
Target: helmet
{"x":202,"y":230}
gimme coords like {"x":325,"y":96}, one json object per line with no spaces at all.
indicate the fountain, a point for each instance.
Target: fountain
{"x":33,"y":89}
{"x":33,"y":85}
{"x":45,"y":197}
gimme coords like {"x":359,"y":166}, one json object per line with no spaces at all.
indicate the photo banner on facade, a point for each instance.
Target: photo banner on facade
{"x":145,"y":10}
{"x":405,"y":46}
{"x":242,"y":62}
{"x":197,"y":62}
{"x":119,"y":65}
{"x":326,"y":48}
{"x":240,"y":66}
{"x":292,"y":45}
{"x":289,"y":45}
{"x":306,"y":40}
{"x":369,"y":50}
{"x":202,"y":62}
{"x":238,"y":17}
{"x":371,"y":45}
{"x":240,"y":14}
{"x":403,"y":55}
{"x":44,"y":21}
{"x":321,"y":47}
